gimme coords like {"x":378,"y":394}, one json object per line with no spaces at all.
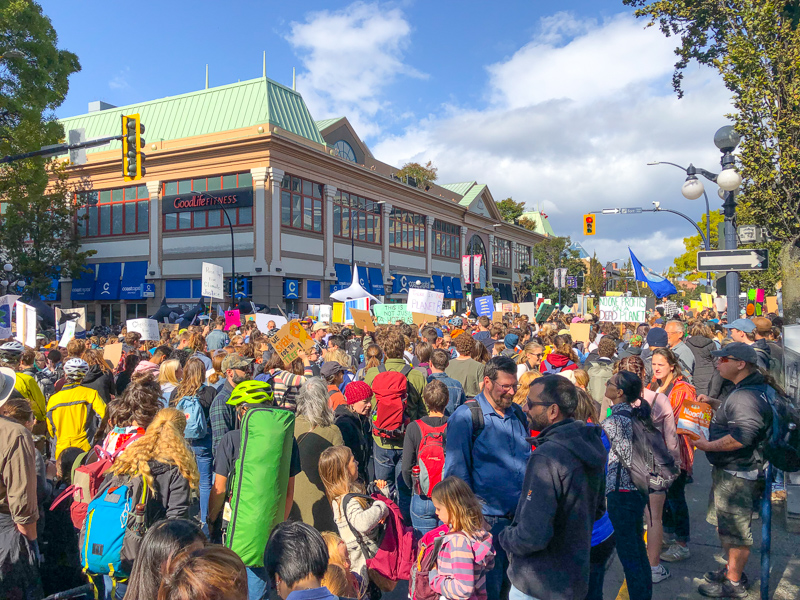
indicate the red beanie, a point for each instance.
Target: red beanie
{"x":356,"y":391}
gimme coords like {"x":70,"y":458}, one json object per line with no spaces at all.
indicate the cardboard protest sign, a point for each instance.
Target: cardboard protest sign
{"x":772,"y":304}
{"x":527,"y":308}
{"x":26,"y":324}
{"x":484,"y":306}
{"x":232,"y":319}
{"x":211,"y":283}
{"x":420,"y":318}
{"x":148,"y":328}
{"x":497,"y":317}
{"x":389,"y":314}
{"x":623,"y":309}
{"x":112,"y":353}
{"x":289,"y":340}
{"x":362,"y":319}
{"x":580,"y":332}
{"x":425,"y":301}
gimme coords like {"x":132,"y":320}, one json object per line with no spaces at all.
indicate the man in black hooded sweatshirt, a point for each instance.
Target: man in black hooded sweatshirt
{"x":563,"y":494}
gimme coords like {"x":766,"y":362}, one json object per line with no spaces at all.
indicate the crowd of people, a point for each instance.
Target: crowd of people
{"x":510,"y":444}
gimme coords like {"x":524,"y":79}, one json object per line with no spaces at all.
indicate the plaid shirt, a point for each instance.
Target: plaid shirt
{"x":222,"y":415}
{"x":670,"y":309}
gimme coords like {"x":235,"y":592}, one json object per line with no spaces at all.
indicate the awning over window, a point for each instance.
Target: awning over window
{"x":344,"y":274}
{"x":437,"y":283}
{"x":83,"y":287}
{"x":459,"y":294}
{"x":376,"y":281}
{"x":402,"y":283}
{"x":133,"y":280}
{"x":108,"y":281}
{"x":447,"y":284}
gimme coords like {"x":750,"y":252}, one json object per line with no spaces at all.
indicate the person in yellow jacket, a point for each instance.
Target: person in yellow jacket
{"x":28,"y":386}
{"x":71,"y":412}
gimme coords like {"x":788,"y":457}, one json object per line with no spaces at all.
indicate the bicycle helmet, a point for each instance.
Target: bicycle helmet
{"x":251,"y":392}
{"x":75,"y":368}
{"x":456,"y":322}
{"x":12,"y":348}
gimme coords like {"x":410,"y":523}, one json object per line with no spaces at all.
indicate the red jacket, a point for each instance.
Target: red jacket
{"x":558,"y":362}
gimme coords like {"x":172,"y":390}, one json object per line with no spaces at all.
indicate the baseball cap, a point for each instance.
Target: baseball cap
{"x":356,"y":391}
{"x":745,"y":325}
{"x":738,"y":351}
{"x":330,"y":368}
{"x":763,"y":325}
{"x":657,"y":338}
{"x":235,"y":361}
{"x":318,"y":326}
{"x":7,"y":380}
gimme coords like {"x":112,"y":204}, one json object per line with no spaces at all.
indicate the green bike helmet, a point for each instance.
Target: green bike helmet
{"x":251,"y":392}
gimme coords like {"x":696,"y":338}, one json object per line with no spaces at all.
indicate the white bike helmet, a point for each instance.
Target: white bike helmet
{"x":75,"y":368}
{"x":12,"y":348}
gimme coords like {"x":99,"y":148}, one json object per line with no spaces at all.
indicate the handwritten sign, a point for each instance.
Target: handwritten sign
{"x":425,"y":301}
{"x":389,"y":314}
{"x":484,"y":306}
{"x":26,"y":324}
{"x":545,"y":310}
{"x":69,"y":333}
{"x":289,"y":340}
{"x":211,"y":284}
{"x":362,"y":319}
{"x":148,"y":328}
{"x":497,"y":317}
{"x":623,"y":309}
{"x":232,"y":319}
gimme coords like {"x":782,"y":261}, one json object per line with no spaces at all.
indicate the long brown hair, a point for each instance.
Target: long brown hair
{"x":672,"y":361}
{"x":372,"y":357}
{"x":463,"y":507}
{"x":210,"y":573}
{"x":194,"y":376}
{"x":334,"y":473}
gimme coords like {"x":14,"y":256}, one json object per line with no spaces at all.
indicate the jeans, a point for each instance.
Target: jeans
{"x":626,"y":511}
{"x":515,"y":594}
{"x":423,"y":514}
{"x":599,"y":560}
{"x":257,"y":583}
{"x":205,"y":464}
{"x":389,"y":466}
{"x":497,"y":582}
{"x":109,"y":587}
{"x":676,"y":511}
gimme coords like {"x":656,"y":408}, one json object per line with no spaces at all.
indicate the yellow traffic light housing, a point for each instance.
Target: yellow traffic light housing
{"x":588,"y":225}
{"x":132,"y":144}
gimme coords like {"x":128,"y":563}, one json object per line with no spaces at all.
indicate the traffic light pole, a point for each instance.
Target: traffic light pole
{"x":731,"y":243}
{"x":59,"y":149}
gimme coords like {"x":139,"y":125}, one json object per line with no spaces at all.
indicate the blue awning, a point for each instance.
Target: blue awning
{"x":402,"y":283}
{"x":344,"y":274}
{"x":459,"y":294}
{"x":313,"y":289}
{"x":291,"y":289}
{"x":52,"y":295}
{"x":197,"y":287}
{"x":108,"y":281}
{"x":376,"y":281}
{"x":83,"y":287}
{"x":438,"y":286}
{"x":133,"y":280}
{"x":447,"y":283}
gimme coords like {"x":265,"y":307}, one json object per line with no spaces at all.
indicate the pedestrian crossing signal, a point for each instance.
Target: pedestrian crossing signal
{"x":588,"y":225}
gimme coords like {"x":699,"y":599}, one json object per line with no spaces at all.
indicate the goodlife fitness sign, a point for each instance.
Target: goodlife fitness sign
{"x":192,"y":201}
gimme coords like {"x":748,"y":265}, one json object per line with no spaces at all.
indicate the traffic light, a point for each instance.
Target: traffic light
{"x":588,"y":224}
{"x":132,"y":144}
{"x":239,"y":288}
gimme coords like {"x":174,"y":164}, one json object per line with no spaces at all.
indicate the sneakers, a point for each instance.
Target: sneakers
{"x":659,"y":573}
{"x":676,"y":553}
{"x":719,"y":576}
{"x":724,"y":589}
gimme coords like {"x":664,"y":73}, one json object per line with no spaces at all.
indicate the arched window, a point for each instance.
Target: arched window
{"x":345,"y":150}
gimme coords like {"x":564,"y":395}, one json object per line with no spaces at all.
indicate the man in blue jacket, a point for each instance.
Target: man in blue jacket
{"x":563,"y":494}
{"x":488,"y":447}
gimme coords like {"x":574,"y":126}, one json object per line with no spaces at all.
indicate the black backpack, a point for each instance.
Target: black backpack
{"x":782,"y":446}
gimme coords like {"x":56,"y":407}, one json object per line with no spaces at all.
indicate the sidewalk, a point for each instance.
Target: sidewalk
{"x":706,"y":552}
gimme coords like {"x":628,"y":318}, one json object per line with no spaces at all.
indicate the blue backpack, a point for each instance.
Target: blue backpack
{"x":196,"y":425}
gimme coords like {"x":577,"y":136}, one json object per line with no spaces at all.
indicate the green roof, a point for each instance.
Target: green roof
{"x":542,"y":224}
{"x":459,"y":188}
{"x":212,"y":110}
{"x":476,"y":190}
{"x":325,"y":123}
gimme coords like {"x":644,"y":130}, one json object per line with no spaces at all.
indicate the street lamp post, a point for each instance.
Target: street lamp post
{"x":230,"y":225}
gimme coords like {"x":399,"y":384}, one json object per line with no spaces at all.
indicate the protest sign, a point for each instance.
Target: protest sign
{"x":425,"y":301}
{"x":772,"y":304}
{"x":77,"y":314}
{"x":358,"y":304}
{"x":497,"y":317}
{"x":337,"y":314}
{"x":389,"y":314}
{"x":527,"y":308}
{"x":325,"y":311}
{"x":69,"y":333}
{"x":720,"y":303}
{"x":362,"y":319}
{"x":580,"y":332}
{"x":262,"y":320}
{"x":289,"y":340}
{"x":148,"y":328}
{"x":211,"y":284}
{"x":420,"y":318}
{"x":707,"y":300}
{"x":545,"y":310}
{"x":623,"y":309}
{"x":510,"y":308}
{"x":6,"y":309}
{"x":232,"y":319}
{"x":26,"y":324}
{"x":484,"y":306}
{"x":696,"y":305}
{"x":112,"y":353}
{"x":614,"y":294}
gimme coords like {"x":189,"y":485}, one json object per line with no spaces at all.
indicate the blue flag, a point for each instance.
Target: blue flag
{"x":660,"y":286}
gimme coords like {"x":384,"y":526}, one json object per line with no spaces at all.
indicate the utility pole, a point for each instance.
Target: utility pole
{"x":731,"y":243}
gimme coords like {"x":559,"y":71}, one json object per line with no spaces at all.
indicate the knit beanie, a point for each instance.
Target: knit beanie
{"x":356,"y":391}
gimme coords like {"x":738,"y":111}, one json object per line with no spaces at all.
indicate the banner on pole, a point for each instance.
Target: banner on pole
{"x":465,"y":264}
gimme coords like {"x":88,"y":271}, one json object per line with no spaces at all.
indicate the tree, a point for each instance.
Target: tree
{"x":594,"y":282}
{"x":548,"y":255}
{"x":510,"y":210}
{"x":685,"y":265}
{"x":38,"y":235}
{"x":423,"y":175}
{"x":755,"y":46}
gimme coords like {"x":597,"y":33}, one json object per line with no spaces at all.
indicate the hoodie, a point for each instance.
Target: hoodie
{"x":100,"y":381}
{"x":702,"y":347}
{"x":355,"y":437}
{"x":555,"y":363}
{"x":563,"y":494}
{"x":461,"y":566}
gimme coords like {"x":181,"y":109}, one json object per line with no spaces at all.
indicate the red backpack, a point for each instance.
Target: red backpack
{"x":396,"y":543}
{"x":430,"y":456}
{"x":389,"y":418}
{"x":427,"y":553}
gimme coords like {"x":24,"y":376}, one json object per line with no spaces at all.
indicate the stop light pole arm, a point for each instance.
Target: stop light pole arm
{"x":59,"y":149}
{"x":706,"y":242}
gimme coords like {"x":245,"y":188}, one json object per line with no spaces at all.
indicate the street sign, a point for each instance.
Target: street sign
{"x":750,"y":234}
{"x":77,"y":136}
{"x":733,"y":260}
{"x":630,"y":211}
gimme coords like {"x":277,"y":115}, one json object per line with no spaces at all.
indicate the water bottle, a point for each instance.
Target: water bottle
{"x":415,"y":480}
{"x":138,"y":520}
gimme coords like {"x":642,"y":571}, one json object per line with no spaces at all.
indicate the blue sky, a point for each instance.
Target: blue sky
{"x":560,"y":105}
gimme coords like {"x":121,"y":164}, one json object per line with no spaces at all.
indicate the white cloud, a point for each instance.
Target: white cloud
{"x":349,"y":57}
{"x":573,"y":118}
{"x":120,"y":81}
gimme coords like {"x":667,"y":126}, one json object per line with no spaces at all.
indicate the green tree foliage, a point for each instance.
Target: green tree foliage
{"x":424,"y":175}
{"x":38,"y":234}
{"x":510,"y":210}
{"x":594,"y":282}
{"x":548,"y":255}
{"x":685,"y":265}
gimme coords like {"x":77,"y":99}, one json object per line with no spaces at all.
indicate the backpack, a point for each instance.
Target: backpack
{"x":782,"y":446}
{"x":427,"y":553}
{"x":599,"y":373}
{"x":389,"y":419}
{"x":196,"y":425}
{"x":430,"y":456}
{"x":478,"y":421}
{"x":652,"y":467}
{"x":355,"y":349}
{"x":548,"y":368}
{"x":395,"y":541}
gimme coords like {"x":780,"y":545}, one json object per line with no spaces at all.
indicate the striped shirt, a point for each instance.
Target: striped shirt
{"x":462,"y":565}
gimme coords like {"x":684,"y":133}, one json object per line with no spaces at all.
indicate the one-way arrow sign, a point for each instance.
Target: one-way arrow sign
{"x":733,"y":260}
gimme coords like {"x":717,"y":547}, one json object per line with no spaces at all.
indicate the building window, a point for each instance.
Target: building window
{"x":344,"y":150}
{"x":356,"y":217}
{"x":406,"y":230}
{"x":124,"y":211}
{"x":446,"y":239}
{"x":301,"y":204}
{"x":523,"y":256}
{"x":501,"y":253}
{"x":208,"y":219}
{"x":136,"y":311}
